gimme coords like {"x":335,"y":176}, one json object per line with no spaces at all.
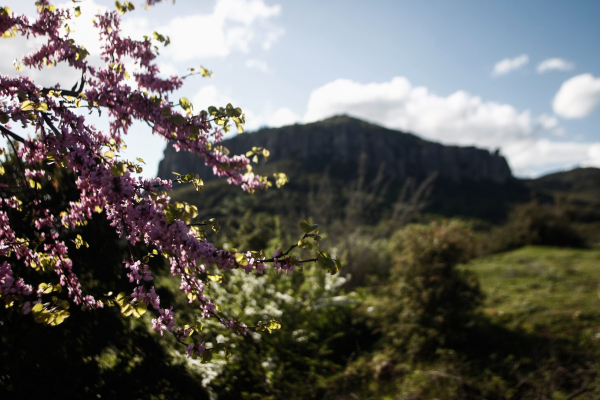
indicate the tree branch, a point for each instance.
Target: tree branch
{"x":50,"y":124}
{"x":12,"y":135}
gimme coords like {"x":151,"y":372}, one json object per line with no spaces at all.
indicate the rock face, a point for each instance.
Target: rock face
{"x":340,"y":142}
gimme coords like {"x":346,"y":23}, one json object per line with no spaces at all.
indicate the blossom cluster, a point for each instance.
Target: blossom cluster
{"x":138,"y":209}
{"x":134,"y":206}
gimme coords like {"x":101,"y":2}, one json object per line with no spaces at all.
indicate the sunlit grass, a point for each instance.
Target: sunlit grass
{"x":538,"y":287}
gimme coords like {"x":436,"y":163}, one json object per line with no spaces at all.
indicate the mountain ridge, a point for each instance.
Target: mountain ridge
{"x":329,"y":162}
{"x":338,"y":142}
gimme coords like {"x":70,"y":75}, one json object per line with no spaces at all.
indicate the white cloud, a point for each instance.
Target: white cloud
{"x":273,"y":34}
{"x":556,"y":64}
{"x":510,"y":64}
{"x":529,"y":158}
{"x":283,"y":117}
{"x":594,"y":156}
{"x":459,"y":118}
{"x":167,"y":69}
{"x":234,"y":25}
{"x":209,"y":96}
{"x":577,"y":96}
{"x":257,"y":64}
{"x":547,"y":122}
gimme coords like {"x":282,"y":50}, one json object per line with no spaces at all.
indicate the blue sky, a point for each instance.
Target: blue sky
{"x":520,"y":76}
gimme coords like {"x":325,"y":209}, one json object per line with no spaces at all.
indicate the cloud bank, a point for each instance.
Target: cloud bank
{"x":282,"y":117}
{"x":577,"y":97}
{"x":233,"y":25}
{"x":459,"y":118}
{"x":510,"y":64}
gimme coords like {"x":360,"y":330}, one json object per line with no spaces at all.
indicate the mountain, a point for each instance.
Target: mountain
{"x":343,"y":163}
{"x":337,"y":144}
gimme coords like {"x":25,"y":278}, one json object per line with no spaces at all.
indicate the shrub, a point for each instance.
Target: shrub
{"x":534,"y":224}
{"x":428,"y":302}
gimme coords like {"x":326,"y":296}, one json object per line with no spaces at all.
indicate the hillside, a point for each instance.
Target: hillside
{"x":343,"y":163}
{"x":336,"y":144}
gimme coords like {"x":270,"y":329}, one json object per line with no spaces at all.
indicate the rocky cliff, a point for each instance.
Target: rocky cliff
{"x":339,"y":143}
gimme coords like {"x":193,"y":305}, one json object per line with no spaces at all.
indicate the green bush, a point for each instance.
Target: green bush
{"x":535,"y":224}
{"x":429,"y":302}
{"x":316,"y":338}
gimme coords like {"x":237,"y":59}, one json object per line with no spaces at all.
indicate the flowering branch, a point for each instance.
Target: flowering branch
{"x":137,"y":208}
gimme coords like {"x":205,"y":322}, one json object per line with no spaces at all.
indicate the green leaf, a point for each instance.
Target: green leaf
{"x":127,"y":310}
{"x":178,"y":119}
{"x":241,"y":259}
{"x":121,"y":299}
{"x":280,"y":179}
{"x":27,"y":105}
{"x":215,"y":278}
{"x":185,"y":103}
{"x":81,"y":54}
{"x":59,"y":317}
{"x":220,"y":346}
{"x":139,"y":309}
{"x":206,"y":73}
{"x":207,"y":356}
{"x":118,"y":169}
{"x":338,"y":263}
{"x":269,"y":326}
{"x":308,"y":228}
{"x":37,"y":308}
{"x":195,"y":132}
{"x":42,"y":317}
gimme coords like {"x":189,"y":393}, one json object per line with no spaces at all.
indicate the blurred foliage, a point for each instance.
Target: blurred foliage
{"x":318,"y":333}
{"x":413,"y":315}
{"x":93,"y":353}
{"x":535,"y":223}
{"x":428,"y":302}
{"x":536,"y":336}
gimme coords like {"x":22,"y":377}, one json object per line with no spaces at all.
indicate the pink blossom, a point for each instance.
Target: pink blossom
{"x":132,"y":204}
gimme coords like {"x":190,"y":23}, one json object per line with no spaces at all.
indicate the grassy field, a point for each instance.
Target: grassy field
{"x":538,"y":286}
{"x":539,"y":338}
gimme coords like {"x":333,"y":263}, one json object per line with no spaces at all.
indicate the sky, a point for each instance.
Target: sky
{"x":522,"y":77}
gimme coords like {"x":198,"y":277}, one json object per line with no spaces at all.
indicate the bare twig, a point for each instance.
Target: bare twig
{"x":11,"y":134}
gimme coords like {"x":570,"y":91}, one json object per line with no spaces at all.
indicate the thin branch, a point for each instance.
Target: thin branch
{"x":287,"y":252}
{"x":50,"y":124}
{"x":74,"y":92}
{"x":63,"y":92}
{"x":12,"y":135}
